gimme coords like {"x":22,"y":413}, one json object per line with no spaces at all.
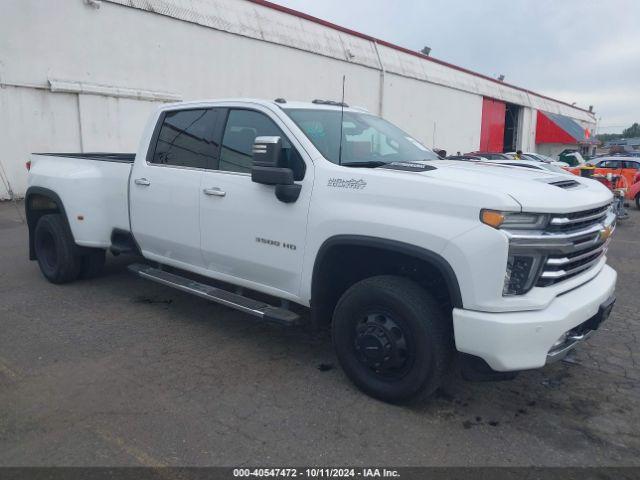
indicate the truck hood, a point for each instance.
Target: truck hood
{"x":534,"y":190}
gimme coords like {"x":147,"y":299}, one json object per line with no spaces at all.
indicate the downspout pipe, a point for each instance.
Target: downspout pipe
{"x":383,"y":73}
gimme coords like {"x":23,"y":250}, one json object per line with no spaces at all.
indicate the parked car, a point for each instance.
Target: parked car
{"x":542,"y":158}
{"x":537,"y":158}
{"x":617,"y":157}
{"x":488,"y":155}
{"x":533,"y":164}
{"x":621,"y":152}
{"x":513,"y":156}
{"x":634,"y":190}
{"x":276,"y":208}
{"x":627,"y":167}
{"x":571,"y":157}
{"x":466,"y":158}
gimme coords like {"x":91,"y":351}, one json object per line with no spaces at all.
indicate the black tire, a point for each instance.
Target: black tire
{"x":92,"y":263}
{"x":392,"y":339}
{"x":638,"y":201}
{"x":55,"y":249}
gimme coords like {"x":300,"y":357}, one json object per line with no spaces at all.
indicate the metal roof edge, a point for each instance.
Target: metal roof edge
{"x":311,"y":18}
{"x":185,"y":10}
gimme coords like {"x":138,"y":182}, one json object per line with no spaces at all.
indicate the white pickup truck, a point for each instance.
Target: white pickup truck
{"x":276,"y":207}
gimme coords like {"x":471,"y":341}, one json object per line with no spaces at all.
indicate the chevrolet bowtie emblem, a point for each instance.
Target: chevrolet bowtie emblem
{"x":605,"y":233}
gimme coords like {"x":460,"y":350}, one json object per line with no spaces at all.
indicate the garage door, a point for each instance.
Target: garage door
{"x":492,"y":130}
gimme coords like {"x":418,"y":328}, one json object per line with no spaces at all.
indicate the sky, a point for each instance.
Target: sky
{"x":583,"y":51}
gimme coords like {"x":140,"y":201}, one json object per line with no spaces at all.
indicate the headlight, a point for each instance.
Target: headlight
{"x":523,"y":266}
{"x":522,"y":272}
{"x":513,"y":220}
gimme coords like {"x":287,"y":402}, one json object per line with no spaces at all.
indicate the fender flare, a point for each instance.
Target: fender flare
{"x":31,"y":222}
{"x":434,"y":259}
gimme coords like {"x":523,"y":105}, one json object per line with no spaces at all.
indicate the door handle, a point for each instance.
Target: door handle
{"x":142,"y":182}
{"x":214,"y":191}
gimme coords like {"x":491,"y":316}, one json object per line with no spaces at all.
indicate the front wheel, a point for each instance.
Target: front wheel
{"x":392,"y":339}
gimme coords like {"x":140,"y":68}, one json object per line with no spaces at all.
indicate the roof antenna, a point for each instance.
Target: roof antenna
{"x":341,"y":121}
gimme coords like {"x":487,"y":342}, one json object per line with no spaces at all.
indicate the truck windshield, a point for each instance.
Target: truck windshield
{"x":367,"y":140}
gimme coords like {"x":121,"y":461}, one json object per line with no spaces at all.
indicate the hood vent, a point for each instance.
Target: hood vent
{"x":565,"y":184}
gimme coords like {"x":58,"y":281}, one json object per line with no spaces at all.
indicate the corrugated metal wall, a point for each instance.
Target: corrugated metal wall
{"x":74,"y":77}
{"x":254,"y":20}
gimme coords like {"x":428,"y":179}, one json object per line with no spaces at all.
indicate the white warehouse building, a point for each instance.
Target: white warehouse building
{"x":83,"y":75}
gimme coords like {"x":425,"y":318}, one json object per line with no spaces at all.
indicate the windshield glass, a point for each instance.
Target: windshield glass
{"x":366,"y":139}
{"x":544,"y":158}
{"x":554,"y":168}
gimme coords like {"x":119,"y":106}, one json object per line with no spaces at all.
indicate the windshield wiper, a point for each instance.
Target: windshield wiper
{"x":369,"y":164}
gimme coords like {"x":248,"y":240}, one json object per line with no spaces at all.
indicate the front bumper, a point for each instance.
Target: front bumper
{"x":510,"y":341}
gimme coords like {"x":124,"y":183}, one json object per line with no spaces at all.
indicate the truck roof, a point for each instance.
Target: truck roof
{"x":280,"y":103}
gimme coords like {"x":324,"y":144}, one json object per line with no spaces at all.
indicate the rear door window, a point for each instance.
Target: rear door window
{"x":186,"y":138}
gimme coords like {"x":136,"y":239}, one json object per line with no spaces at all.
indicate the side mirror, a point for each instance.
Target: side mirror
{"x":267,"y":152}
{"x":272,"y":175}
{"x":269,"y":168}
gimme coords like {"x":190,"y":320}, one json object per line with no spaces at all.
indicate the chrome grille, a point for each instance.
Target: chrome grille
{"x":562,"y":267}
{"x":569,"y":245}
{"x":571,"y":222}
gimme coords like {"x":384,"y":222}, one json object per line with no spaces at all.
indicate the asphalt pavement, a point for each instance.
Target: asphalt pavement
{"x":119,"y":371}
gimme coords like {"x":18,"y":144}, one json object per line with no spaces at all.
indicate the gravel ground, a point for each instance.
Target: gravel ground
{"x":120,"y":371}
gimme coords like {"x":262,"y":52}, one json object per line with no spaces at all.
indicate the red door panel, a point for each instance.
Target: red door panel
{"x":492,"y":128}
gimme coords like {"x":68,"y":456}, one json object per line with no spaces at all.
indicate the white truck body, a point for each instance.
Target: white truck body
{"x":221,"y":225}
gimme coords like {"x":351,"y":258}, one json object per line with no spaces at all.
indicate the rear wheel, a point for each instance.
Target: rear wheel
{"x":392,"y":339}
{"x":55,"y":249}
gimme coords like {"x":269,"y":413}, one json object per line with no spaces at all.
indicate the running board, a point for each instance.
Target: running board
{"x":247,"y":305}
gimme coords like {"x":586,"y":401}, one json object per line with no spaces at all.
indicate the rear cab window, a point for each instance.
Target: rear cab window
{"x":186,"y":138}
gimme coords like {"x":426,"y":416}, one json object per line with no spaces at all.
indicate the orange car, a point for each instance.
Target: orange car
{"x":627,"y":167}
{"x":634,"y":191}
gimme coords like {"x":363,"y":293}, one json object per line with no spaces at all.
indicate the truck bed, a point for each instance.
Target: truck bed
{"x":99,"y":156}
{"x":93,"y":188}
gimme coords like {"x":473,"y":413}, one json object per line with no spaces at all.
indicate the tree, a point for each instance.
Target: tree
{"x":632,"y":131}
{"x":605,"y":137}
